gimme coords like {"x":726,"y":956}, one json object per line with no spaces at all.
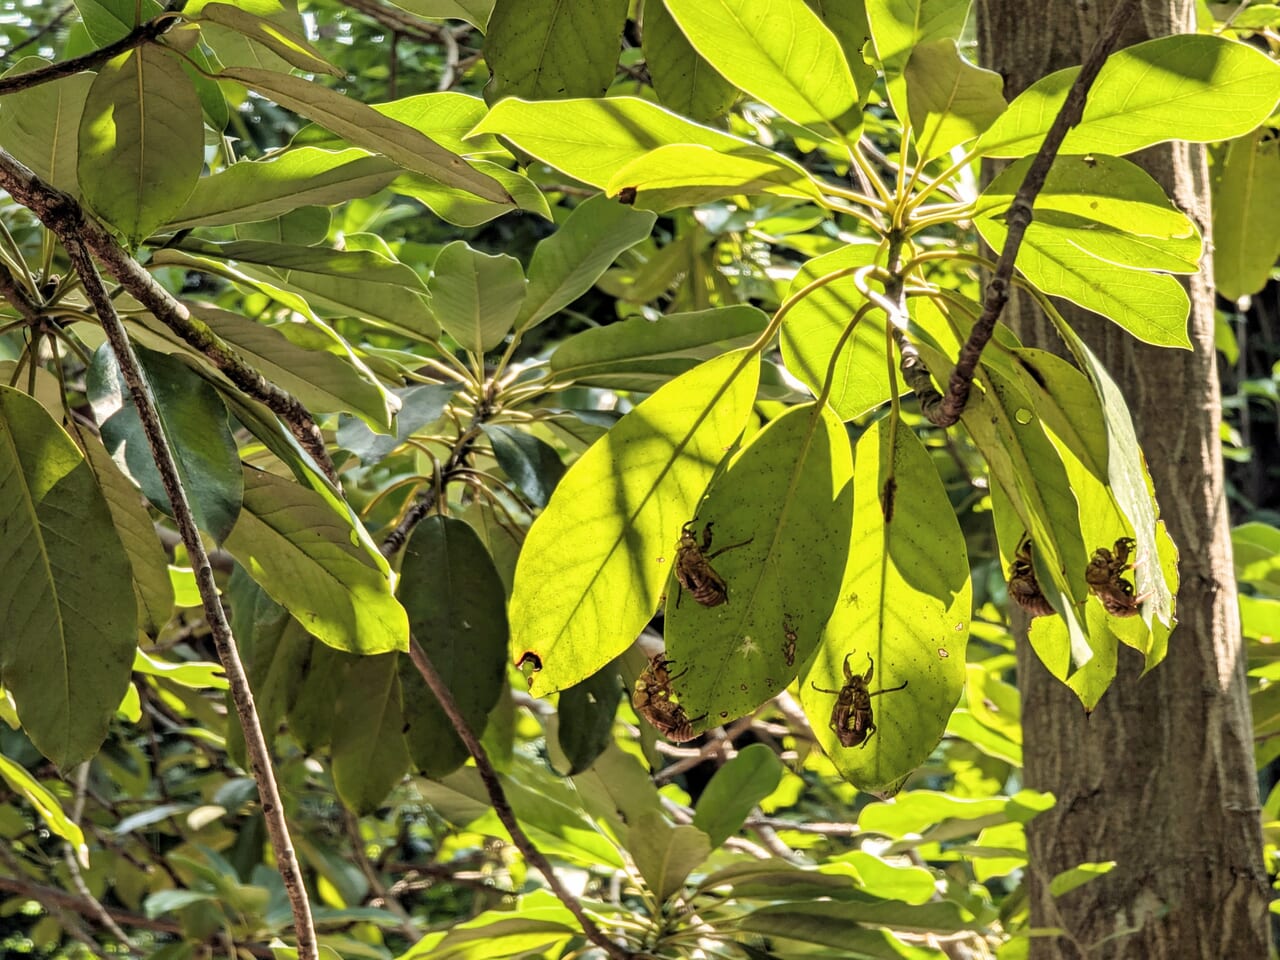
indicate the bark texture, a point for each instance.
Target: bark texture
{"x":1160,"y":778}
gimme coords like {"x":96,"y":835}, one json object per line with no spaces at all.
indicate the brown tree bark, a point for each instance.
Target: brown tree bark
{"x":1160,"y":777}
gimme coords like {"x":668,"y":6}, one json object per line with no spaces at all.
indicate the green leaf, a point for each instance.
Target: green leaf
{"x":552,"y":49}
{"x":905,"y":606}
{"x":321,"y":683}
{"x":899,"y":26}
{"x":286,"y":44}
{"x":475,"y":12}
{"x":788,"y":493}
{"x":312,"y":558}
{"x":1195,"y":87}
{"x":814,"y":326}
{"x":1056,"y":256}
{"x":196,"y":674}
{"x":566,"y":264}
{"x":950,"y":100}
{"x":369,"y":755}
{"x":734,"y":791}
{"x":781,"y":54}
{"x":464,"y":210}
{"x":846,"y":926}
{"x":70,"y":618}
{"x":685,"y":175}
{"x":108,"y":20}
{"x":1246,"y":236}
{"x":586,"y":712}
{"x":365,"y":127}
{"x":666,"y":855}
{"x":147,"y":560}
{"x":848,"y":21}
{"x":641,"y":354}
{"x":261,"y":189}
{"x":683,"y":80}
{"x":533,"y":465}
{"x":1106,"y":206}
{"x":141,"y":140}
{"x":39,"y":125}
{"x":457,"y":612}
{"x":419,"y":406}
{"x":475,"y":295}
{"x":360,"y":283}
{"x":591,"y":139}
{"x":195,"y":425}
{"x":45,"y":804}
{"x":595,"y":561}
{"x":1069,"y":880}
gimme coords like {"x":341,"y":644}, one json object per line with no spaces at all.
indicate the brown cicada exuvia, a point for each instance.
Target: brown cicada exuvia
{"x":1024,"y":588}
{"x":693,"y":567}
{"x":652,"y":699}
{"x":1104,"y":576}
{"x":789,"y":644}
{"x":852,"y":718}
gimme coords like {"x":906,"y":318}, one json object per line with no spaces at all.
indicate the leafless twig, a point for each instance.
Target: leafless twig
{"x":66,"y":68}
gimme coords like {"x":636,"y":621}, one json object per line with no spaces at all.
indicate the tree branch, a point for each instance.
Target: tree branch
{"x":422,"y":506}
{"x":12,"y":291}
{"x":241,"y":695}
{"x":65,"y":217}
{"x":67,"y":68}
{"x":944,"y":410}
{"x":493,"y":786}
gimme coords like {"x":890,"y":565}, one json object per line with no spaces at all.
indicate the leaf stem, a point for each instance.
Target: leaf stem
{"x":56,"y":71}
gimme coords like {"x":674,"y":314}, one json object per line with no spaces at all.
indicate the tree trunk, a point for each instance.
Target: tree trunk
{"x":1160,"y":777}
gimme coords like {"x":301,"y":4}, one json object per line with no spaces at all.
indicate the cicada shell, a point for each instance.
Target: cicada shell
{"x":1106,"y":581}
{"x":1024,"y":588}
{"x":653,"y":700}
{"x":852,"y":718}
{"x":693,"y":567}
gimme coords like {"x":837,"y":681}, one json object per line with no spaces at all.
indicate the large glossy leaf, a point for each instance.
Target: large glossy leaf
{"x":640,"y":354}
{"x":1196,"y":87}
{"x":261,"y":189}
{"x":781,"y":54}
{"x":141,"y":140}
{"x":39,"y":125}
{"x":1246,"y":234}
{"x":899,"y":26}
{"x":365,"y":127}
{"x":457,"y":612}
{"x":369,"y":755}
{"x":848,"y":21}
{"x":195,"y":424}
{"x":586,"y":713}
{"x":1079,"y":246}
{"x":464,"y":210}
{"x":683,"y":80}
{"x":475,"y":295}
{"x":591,"y":139}
{"x":544,"y":49}
{"x":70,"y":621}
{"x":734,"y":791}
{"x":108,"y":20}
{"x":666,"y":855}
{"x":950,"y":100}
{"x":685,"y":175}
{"x":595,"y":561}
{"x":904,"y":604}
{"x":566,"y":264}
{"x":788,"y":493}
{"x":312,"y":558}
{"x":813,"y":327}
{"x":532,"y":464}
{"x":361,"y":283}
{"x":151,"y":583}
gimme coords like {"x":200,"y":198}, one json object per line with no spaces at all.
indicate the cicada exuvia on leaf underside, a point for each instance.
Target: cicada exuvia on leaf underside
{"x":654,"y":700}
{"x":852,"y":718}
{"x":1024,"y":588}
{"x":693,"y":567}
{"x":1104,"y":576}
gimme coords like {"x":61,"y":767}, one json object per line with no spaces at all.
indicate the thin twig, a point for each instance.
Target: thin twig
{"x":65,"y":217}
{"x":33,"y":38}
{"x":944,"y":410}
{"x":380,"y":891}
{"x":72,"y":859}
{"x":224,"y":641}
{"x":501,"y":806}
{"x":422,"y":506}
{"x":51,"y":899}
{"x":67,"y":68}
{"x":15,"y":294}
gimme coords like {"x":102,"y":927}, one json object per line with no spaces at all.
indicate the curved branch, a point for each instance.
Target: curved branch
{"x":66,"y":218}
{"x":943,"y":410}
{"x":215,"y":616}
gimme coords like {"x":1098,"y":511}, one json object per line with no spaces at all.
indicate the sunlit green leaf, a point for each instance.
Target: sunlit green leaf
{"x":666,"y":855}
{"x":313,"y":559}
{"x":899,"y":26}
{"x":683,"y":80}
{"x":735,"y":789}
{"x":45,"y":804}
{"x":595,"y":561}
{"x":787,"y":494}
{"x":286,"y":44}
{"x":475,"y":295}
{"x":141,"y":140}
{"x":686,"y":175}
{"x":1196,"y":87}
{"x":950,"y":100}
{"x":1246,"y":237}
{"x":781,"y":54}
{"x":547,"y":49}
{"x":1069,"y":880}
